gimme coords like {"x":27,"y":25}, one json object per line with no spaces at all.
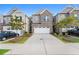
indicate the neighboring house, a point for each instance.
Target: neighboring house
{"x":12,"y":13}
{"x":68,"y":11}
{"x":42,"y":22}
{"x":1,"y":22}
{"x":6,"y":20}
{"x":63,"y":14}
{"x":75,"y":13}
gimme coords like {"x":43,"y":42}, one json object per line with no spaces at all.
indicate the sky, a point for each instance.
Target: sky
{"x":30,"y":9}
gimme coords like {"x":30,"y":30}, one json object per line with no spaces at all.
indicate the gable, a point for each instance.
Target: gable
{"x":14,"y":11}
{"x":17,"y":12}
{"x":68,"y":9}
{"x":45,"y":12}
{"x":75,"y":12}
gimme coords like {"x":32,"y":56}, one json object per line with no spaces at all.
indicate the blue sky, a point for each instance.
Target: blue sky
{"x":29,"y":9}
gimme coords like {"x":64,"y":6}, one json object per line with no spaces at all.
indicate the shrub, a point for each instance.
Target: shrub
{"x":55,"y":34}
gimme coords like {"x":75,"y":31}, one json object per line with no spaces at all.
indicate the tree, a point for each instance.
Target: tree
{"x":68,"y":22}
{"x":16,"y":23}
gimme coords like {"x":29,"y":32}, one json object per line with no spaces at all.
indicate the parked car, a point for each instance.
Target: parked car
{"x":74,"y":32}
{"x":7,"y":34}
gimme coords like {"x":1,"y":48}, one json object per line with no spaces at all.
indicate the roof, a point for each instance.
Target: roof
{"x":68,"y":9}
{"x":41,"y":11}
{"x":7,"y":16}
{"x":12,"y":11}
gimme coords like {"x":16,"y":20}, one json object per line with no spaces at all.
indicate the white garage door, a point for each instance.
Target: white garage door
{"x":41,"y":30}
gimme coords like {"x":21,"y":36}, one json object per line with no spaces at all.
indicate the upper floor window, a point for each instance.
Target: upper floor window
{"x":46,"y":18}
{"x":18,"y":17}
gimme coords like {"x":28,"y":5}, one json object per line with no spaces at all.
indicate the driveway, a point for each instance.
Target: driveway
{"x":42,"y":44}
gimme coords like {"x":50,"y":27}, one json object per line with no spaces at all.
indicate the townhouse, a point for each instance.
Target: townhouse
{"x":5,"y":19}
{"x":42,"y":22}
{"x":67,"y":11}
{"x":1,"y":22}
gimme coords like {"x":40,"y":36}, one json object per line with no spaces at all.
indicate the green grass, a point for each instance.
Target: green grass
{"x":20,"y":39}
{"x":62,"y":38}
{"x":3,"y":51}
{"x":68,"y":39}
{"x":74,"y":39}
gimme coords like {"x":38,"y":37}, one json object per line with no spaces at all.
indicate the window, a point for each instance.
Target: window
{"x":19,"y":17}
{"x":46,"y":18}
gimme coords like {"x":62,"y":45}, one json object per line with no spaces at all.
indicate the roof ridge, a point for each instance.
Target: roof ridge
{"x":65,"y":10}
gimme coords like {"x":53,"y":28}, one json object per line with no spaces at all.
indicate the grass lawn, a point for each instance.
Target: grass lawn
{"x":68,"y":39}
{"x":73,"y":39}
{"x":3,"y":51}
{"x":20,"y":39}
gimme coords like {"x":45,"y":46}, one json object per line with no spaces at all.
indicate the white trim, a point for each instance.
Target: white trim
{"x":44,"y":11}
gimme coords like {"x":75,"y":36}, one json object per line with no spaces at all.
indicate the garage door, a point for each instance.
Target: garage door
{"x":41,"y":30}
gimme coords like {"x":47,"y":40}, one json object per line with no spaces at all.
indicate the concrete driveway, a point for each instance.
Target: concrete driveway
{"x":42,"y":44}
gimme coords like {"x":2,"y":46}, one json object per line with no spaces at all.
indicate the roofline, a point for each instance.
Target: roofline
{"x":66,"y":7}
{"x":46,"y":10}
{"x":42,"y":12}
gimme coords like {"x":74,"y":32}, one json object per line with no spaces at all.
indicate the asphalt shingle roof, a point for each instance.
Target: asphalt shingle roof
{"x":67,"y":9}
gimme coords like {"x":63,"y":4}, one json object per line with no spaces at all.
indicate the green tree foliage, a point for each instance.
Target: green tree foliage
{"x":67,"y":22}
{"x":16,"y":23}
